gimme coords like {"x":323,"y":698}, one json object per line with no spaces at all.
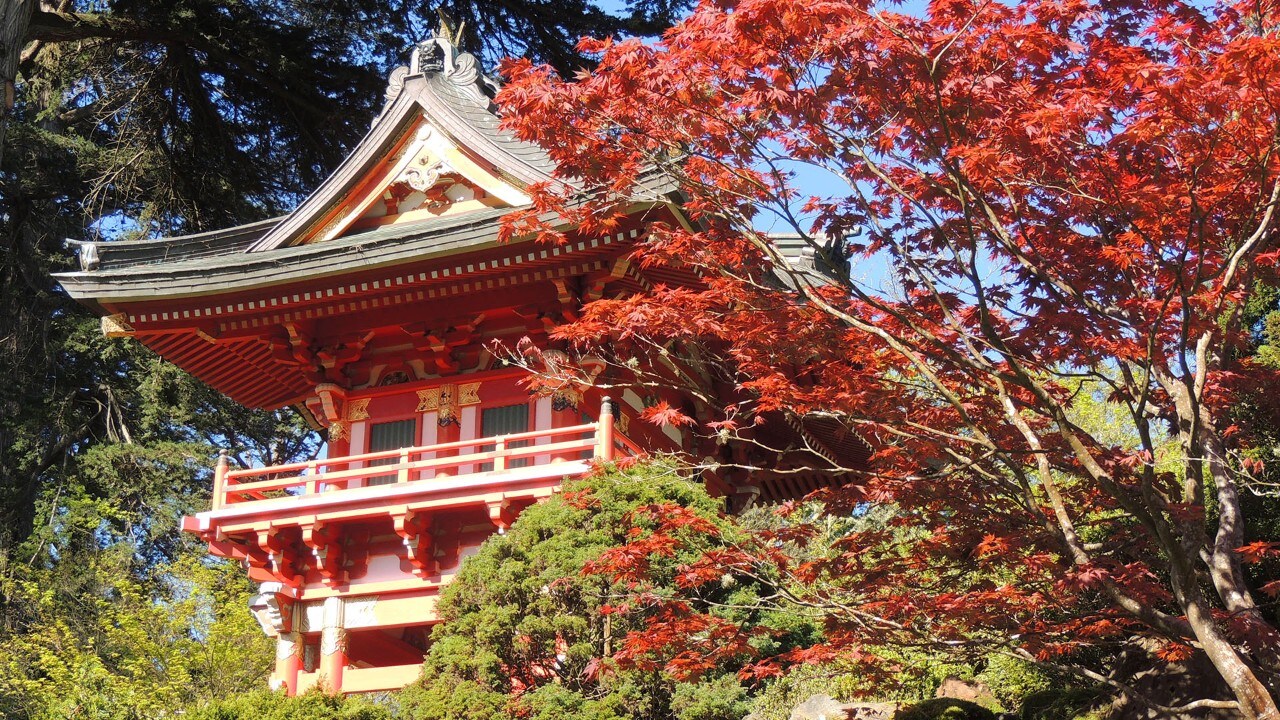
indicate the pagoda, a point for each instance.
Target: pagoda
{"x":374,"y":308}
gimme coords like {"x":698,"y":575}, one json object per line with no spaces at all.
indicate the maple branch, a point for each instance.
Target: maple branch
{"x":1155,"y":618}
{"x":1255,"y":238}
{"x":1127,"y":690}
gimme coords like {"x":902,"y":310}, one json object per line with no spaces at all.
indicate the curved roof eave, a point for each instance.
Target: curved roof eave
{"x":464,"y":114}
{"x":386,"y":130}
{"x":386,"y":246}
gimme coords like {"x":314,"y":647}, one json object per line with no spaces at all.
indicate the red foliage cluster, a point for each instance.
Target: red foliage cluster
{"x":1075,"y":198}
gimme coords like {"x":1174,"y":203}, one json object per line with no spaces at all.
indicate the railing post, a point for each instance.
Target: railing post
{"x":403,"y":474}
{"x":220,"y":478}
{"x":313,"y":484}
{"x":604,"y":431}
{"x":499,"y":454}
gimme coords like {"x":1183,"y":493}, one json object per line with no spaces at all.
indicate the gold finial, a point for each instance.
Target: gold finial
{"x":446,"y":30}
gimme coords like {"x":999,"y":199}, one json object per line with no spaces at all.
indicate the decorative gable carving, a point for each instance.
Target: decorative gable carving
{"x":426,"y":184}
{"x":436,"y":149}
{"x":428,"y":176}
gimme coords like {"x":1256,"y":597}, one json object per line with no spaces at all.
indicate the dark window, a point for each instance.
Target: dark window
{"x":390,"y":436}
{"x":505,"y":420}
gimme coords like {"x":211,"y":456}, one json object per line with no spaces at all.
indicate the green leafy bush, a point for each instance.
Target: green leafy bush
{"x":1011,"y":679}
{"x":944,"y":709}
{"x":1069,"y":704}
{"x":266,"y":705}
{"x":528,"y":634}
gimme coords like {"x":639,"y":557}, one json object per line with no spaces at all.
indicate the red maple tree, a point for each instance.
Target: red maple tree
{"x":1073,"y":196}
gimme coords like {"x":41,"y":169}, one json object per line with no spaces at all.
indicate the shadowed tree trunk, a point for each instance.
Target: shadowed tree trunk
{"x":13,"y":31}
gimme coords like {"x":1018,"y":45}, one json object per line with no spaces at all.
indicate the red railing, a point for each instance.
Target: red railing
{"x":426,"y":462}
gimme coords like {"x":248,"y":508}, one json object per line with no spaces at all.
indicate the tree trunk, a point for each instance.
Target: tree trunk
{"x":1261,"y":638}
{"x":1256,"y":702}
{"x":13,"y":35}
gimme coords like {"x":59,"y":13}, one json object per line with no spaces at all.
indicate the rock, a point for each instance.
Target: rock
{"x":870,"y":711}
{"x":971,"y":691}
{"x":818,"y":707}
{"x":825,"y":707}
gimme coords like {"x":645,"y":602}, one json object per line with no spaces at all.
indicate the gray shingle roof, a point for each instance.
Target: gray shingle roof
{"x":474,"y":125}
{"x":129,"y":253}
{"x":268,"y":252}
{"x":197,"y":274}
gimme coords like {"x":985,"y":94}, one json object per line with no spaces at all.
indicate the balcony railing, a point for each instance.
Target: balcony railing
{"x":423,"y":463}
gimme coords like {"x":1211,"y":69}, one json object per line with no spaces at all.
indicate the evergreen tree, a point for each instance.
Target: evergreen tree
{"x":526,"y":633}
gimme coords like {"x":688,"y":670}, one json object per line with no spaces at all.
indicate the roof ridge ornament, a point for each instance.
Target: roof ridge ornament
{"x":441,"y":54}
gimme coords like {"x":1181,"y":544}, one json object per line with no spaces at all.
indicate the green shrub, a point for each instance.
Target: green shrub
{"x":1069,"y":704}
{"x":266,"y":705}
{"x":944,"y":709}
{"x":1011,"y":680}
{"x":522,"y":607}
{"x":721,"y":698}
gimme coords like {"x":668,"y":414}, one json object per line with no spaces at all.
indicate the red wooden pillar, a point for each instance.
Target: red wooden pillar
{"x":566,"y":412}
{"x":288,"y":661}
{"x":604,"y":431}
{"x":333,"y":645}
{"x":448,"y":433}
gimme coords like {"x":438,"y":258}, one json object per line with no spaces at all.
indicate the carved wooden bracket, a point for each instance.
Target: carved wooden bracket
{"x":319,"y":363}
{"x":357,"y":549}
{"x":538,"y":320}
{"x":441,"y":343}
{"x":597,"y":281}
{"x":569,"y":296}
{"x":502,"y":514}
{"x":448,"y":541}
{"x":414,"y":529}
{"x":333,"y":399}
{"x":277,"y":554}
{"x":327,"y":552}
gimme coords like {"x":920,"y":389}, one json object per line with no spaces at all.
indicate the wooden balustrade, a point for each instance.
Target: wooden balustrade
{"x":595,"y":440}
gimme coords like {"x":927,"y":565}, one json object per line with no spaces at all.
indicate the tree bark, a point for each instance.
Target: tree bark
{"x":1256,"y":702}
{"x":13,"y":36}
{"x":1261,"y":638}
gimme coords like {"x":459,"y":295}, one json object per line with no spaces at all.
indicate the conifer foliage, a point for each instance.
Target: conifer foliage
{"x":526,"y":633}
{"x":1075,"y":200}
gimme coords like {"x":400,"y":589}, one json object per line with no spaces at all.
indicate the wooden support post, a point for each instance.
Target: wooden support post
{"x":289,"y":649}
{"x":604,"y":431}
{"x":333,"y":644}
{"x":403,"y":475}
{"x":313,"y":485}
{"x":220,"y":479}
{"x":500,"y":454}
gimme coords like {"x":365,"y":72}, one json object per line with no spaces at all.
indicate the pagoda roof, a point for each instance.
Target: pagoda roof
{"x":462,"y":113}
{"x":438,"y":136}
{"x":438,"y":132}
{"x":192,"y":265}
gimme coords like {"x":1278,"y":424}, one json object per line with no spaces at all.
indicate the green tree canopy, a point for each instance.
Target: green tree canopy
{"x":527,"y":633}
